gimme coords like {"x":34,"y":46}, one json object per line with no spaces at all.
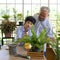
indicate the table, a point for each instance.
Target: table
{"x":4,"y":54}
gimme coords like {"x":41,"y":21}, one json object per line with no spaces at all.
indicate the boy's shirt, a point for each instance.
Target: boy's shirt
{"x":21,"y":32}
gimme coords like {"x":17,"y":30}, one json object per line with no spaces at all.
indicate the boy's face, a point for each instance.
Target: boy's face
{"x":28,"y":25}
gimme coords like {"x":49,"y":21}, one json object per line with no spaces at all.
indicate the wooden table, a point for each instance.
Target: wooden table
{"x":4,"y":54}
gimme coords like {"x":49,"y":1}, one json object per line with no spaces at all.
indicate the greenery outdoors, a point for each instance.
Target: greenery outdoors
{"x":7,"y":25}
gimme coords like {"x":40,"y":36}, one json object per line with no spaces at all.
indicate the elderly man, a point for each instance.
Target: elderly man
{"x":42,"y":22}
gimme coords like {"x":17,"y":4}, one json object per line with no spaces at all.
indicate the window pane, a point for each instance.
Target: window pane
{"x":2,"y":9}
{"x":19,"y":1}
{"x":58,"y":8}
{"x":10,"y":8}
{"x":10,"y":1}
{"x":27,"y":1}
{"x":19,"y":8}
{"x":35,"y":9}
{"x":58,"y":12}
{"x":27,"y":11}
{"x":35,"y":1}
{"x":44,"y":5}
{"x":53,"y":12}
{"x":53,"y":1}
{"x":59,"y":1}
{"x":1,"y":1}
{"x":44,"y":1}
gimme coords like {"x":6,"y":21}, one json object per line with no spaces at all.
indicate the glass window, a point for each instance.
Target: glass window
{"x":58,"y":1}
{"x":19,"y":1}
{"x":2,"y":9}
{"x":59,"y":8}
{"x":10,"y":1}
{"x":44,"y":5}
{"x":35,"y":9}
{"x":44,"y":1}
{"x":10,"y":8}
{"x":27,"y":11}
{"x":19,"y":8}
{"x":53,"y":12}
{"x":52,"y":1}
{"x":1,"y":1}
{"x":27,"y":1}
{"x":58,"y":16}
{"x":35,"y":1}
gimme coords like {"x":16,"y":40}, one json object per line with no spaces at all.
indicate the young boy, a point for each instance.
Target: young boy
{"x":26,"y":28}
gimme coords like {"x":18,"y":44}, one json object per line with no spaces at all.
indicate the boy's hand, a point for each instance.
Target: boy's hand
{"x":26,"y":33}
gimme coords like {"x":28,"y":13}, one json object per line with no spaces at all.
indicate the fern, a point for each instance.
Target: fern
{"x":34,"y":40}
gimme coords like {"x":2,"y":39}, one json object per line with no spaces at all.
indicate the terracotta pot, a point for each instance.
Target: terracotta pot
{"x":7,"y":34}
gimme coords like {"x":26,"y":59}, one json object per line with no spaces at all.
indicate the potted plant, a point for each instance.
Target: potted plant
{"x":8,"y":27}
{"x":6,"y":16}
{"x":33,"y":43}
{"x":36,"y":42}
{"x":55,"y":45}
{"x":20,"y":18}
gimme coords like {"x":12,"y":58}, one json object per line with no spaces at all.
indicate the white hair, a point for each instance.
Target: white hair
{"x":44,"y":7}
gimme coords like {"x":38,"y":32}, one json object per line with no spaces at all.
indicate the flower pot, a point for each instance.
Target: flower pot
{"x":21,"y":23}
{"x":35,"y":49}
{"x":12,"y":49}
{"x":7,"y":34}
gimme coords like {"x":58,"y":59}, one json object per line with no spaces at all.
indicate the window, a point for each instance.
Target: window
{"x":31,"y":7}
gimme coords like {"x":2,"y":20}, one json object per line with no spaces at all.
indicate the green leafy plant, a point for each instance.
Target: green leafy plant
{"x":20,"y":16}
{"x":15,"y":14}
{"x":34,"y":40}
{"x":55,"y":45}
{"x":6,"y":16}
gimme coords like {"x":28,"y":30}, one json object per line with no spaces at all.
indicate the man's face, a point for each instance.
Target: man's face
{"x":43,"y":14}
{"x":28,"y":25}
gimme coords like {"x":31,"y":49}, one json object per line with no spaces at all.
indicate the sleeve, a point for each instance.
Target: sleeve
{"x":49,"y":30}
{"x":19,"y":32}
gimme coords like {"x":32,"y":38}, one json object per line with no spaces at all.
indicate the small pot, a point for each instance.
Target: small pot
{"x":21,"y":23}
{"x":12,"y":49}
{"x":35,"y":49}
